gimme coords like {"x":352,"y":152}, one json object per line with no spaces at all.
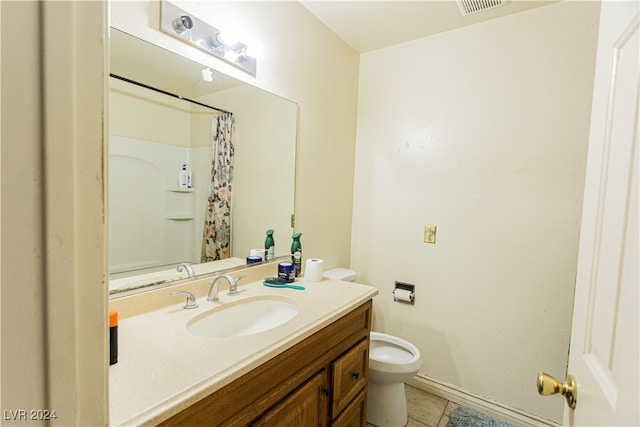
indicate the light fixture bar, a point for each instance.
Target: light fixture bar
{"x":191,"y":30}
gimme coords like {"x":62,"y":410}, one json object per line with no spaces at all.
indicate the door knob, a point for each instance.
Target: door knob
{"x":547,"y":385}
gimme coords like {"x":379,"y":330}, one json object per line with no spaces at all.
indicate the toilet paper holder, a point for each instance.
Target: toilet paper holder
{"x":406,"y":293}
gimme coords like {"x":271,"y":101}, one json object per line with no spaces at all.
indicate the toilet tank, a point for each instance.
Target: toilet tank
{"x":340,"y":274}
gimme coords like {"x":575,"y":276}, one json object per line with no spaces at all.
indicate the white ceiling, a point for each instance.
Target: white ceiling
{"x":370,"y":25}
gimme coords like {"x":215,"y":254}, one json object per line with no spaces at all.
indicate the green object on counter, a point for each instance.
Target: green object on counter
{"x":282,"y":285}
{"x":269,"y":246}
{"x":296,"y":253}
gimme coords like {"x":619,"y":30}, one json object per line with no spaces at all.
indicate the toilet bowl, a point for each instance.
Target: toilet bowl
{"x":392,"y":361}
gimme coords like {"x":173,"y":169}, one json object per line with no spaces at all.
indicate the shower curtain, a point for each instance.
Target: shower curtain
{"x":216,"y":241}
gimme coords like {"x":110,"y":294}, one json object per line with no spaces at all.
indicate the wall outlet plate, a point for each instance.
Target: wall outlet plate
{"x":430,"y":234}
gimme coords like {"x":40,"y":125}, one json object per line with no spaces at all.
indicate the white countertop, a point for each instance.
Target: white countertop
{"x":162,"y":368}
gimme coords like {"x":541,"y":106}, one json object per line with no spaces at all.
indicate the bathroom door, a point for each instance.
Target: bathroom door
{"x":604,"y":341}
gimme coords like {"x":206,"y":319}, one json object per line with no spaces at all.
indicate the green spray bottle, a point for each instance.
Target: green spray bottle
{"x":269,"y":246}
{"x":296,"y":253}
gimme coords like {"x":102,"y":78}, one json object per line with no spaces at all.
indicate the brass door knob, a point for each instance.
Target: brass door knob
{"x":547,"y":385}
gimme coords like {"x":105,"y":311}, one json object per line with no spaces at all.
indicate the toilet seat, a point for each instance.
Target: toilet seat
{"x":390,"y":354}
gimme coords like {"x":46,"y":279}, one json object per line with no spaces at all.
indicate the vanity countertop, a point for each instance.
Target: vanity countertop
{"x":162,"y":368}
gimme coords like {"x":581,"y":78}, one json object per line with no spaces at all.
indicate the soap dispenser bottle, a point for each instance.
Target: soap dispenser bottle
{"x":269,"y":246}
{"x":296,"y":253}
{"x":183,"y":177}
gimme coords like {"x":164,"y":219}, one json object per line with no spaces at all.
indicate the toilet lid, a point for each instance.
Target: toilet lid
{"x":340,"y":274}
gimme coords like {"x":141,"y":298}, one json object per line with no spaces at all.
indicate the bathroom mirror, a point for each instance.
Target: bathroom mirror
{"x":163,"y":114}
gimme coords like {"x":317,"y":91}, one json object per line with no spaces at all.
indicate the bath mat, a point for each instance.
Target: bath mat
{"x":467,"y":417}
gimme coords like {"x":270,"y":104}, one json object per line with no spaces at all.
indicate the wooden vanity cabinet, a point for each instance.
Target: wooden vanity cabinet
{"x":321,"y":381}
{"x":306,"y":406}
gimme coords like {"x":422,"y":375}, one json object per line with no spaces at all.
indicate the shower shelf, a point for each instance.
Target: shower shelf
{"x":180,"y":216}
{"x":180,"y":190}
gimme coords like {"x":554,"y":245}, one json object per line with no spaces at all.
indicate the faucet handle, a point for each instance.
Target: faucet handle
{"x":233,"y":287}
{"x":191,"y":299}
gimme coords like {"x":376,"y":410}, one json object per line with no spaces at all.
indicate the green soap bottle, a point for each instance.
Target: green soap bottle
{"x":269,"y":246}
{"x":296,"y":253}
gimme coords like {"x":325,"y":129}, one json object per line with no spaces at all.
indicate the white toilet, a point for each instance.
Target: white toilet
{"x":392,"y":361}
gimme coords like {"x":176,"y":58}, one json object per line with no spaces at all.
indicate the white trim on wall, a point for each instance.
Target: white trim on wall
{"x":517,"y":417}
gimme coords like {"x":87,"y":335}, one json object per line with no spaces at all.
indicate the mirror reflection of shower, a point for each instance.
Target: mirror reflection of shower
{"x":152,"y":135}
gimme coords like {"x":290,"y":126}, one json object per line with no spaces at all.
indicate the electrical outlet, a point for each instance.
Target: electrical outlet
{"x":430,"y":234}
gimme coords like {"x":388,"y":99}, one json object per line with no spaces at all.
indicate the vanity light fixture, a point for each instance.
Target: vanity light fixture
{"x":191,"y":30}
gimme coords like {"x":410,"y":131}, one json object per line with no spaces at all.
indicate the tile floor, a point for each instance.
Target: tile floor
{"x":425,"y":409}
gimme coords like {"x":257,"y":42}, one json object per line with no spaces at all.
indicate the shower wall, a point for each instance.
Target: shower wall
{"x":156,"y":225}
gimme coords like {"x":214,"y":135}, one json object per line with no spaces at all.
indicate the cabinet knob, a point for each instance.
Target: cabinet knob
{"x":356,"y":375}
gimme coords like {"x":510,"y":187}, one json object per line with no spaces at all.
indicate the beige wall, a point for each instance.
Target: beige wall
{"x":483,"y":132}
{"x":305,"y":62}
{"x":23,"y":335}
{"x":139,"y":113}
{"x":54,"y":299}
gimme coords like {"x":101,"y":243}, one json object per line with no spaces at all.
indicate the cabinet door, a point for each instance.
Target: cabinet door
{"x":349,"y":376}
{"x":356,"y":413}
{"x":307,"y":406}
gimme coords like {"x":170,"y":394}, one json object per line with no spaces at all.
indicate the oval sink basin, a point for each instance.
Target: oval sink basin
{"x":245,"y":317}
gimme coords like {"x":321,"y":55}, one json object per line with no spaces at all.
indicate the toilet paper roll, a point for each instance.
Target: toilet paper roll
{"x":313,"y":270}
{"x":403,"y":295}
{"x":257,"y":252}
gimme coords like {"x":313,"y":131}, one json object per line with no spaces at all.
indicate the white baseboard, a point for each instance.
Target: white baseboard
{"x":513,"y":416}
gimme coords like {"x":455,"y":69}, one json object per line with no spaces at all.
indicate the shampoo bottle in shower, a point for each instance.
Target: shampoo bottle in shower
{"x":269,"y":246}
{"x":296,"y":253}
{"x":183,"y":177}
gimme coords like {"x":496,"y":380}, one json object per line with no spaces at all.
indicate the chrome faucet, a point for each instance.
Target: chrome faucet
{"x":215,"y":286}
{"x":191,"y":299}
{"x":187,"y":267}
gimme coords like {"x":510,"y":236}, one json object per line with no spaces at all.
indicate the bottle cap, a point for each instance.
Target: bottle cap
{"x":113,"y":319}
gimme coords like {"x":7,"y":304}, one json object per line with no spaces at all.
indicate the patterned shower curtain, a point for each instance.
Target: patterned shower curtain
{"x":216,"y":241}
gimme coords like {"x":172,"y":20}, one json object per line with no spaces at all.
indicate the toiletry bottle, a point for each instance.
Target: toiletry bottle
{"x":183,"y":177}
{"x":113,"y":337}
{"x":269,"y":246}
{"x":296,"y":253}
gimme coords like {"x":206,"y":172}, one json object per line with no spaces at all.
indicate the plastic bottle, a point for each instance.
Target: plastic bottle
{"x":269,"y":246}
{"x":113,"y":337}
{"x":296,"y":253}
{"x":183,"y":177}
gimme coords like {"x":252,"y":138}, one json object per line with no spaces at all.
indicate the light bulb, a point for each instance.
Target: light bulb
{"x":231,"y":55}
{"x":227,"y":38}
{"x":254,"y":50}
{"x":207,"y":75}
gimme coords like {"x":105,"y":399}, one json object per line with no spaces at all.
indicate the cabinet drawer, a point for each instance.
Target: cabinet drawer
{"x":356,"y":413}
{"x":349,"y":376}
{"x":305,"y":407}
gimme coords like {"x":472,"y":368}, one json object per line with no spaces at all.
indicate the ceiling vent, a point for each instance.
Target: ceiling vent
{"x":468,"y":7}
